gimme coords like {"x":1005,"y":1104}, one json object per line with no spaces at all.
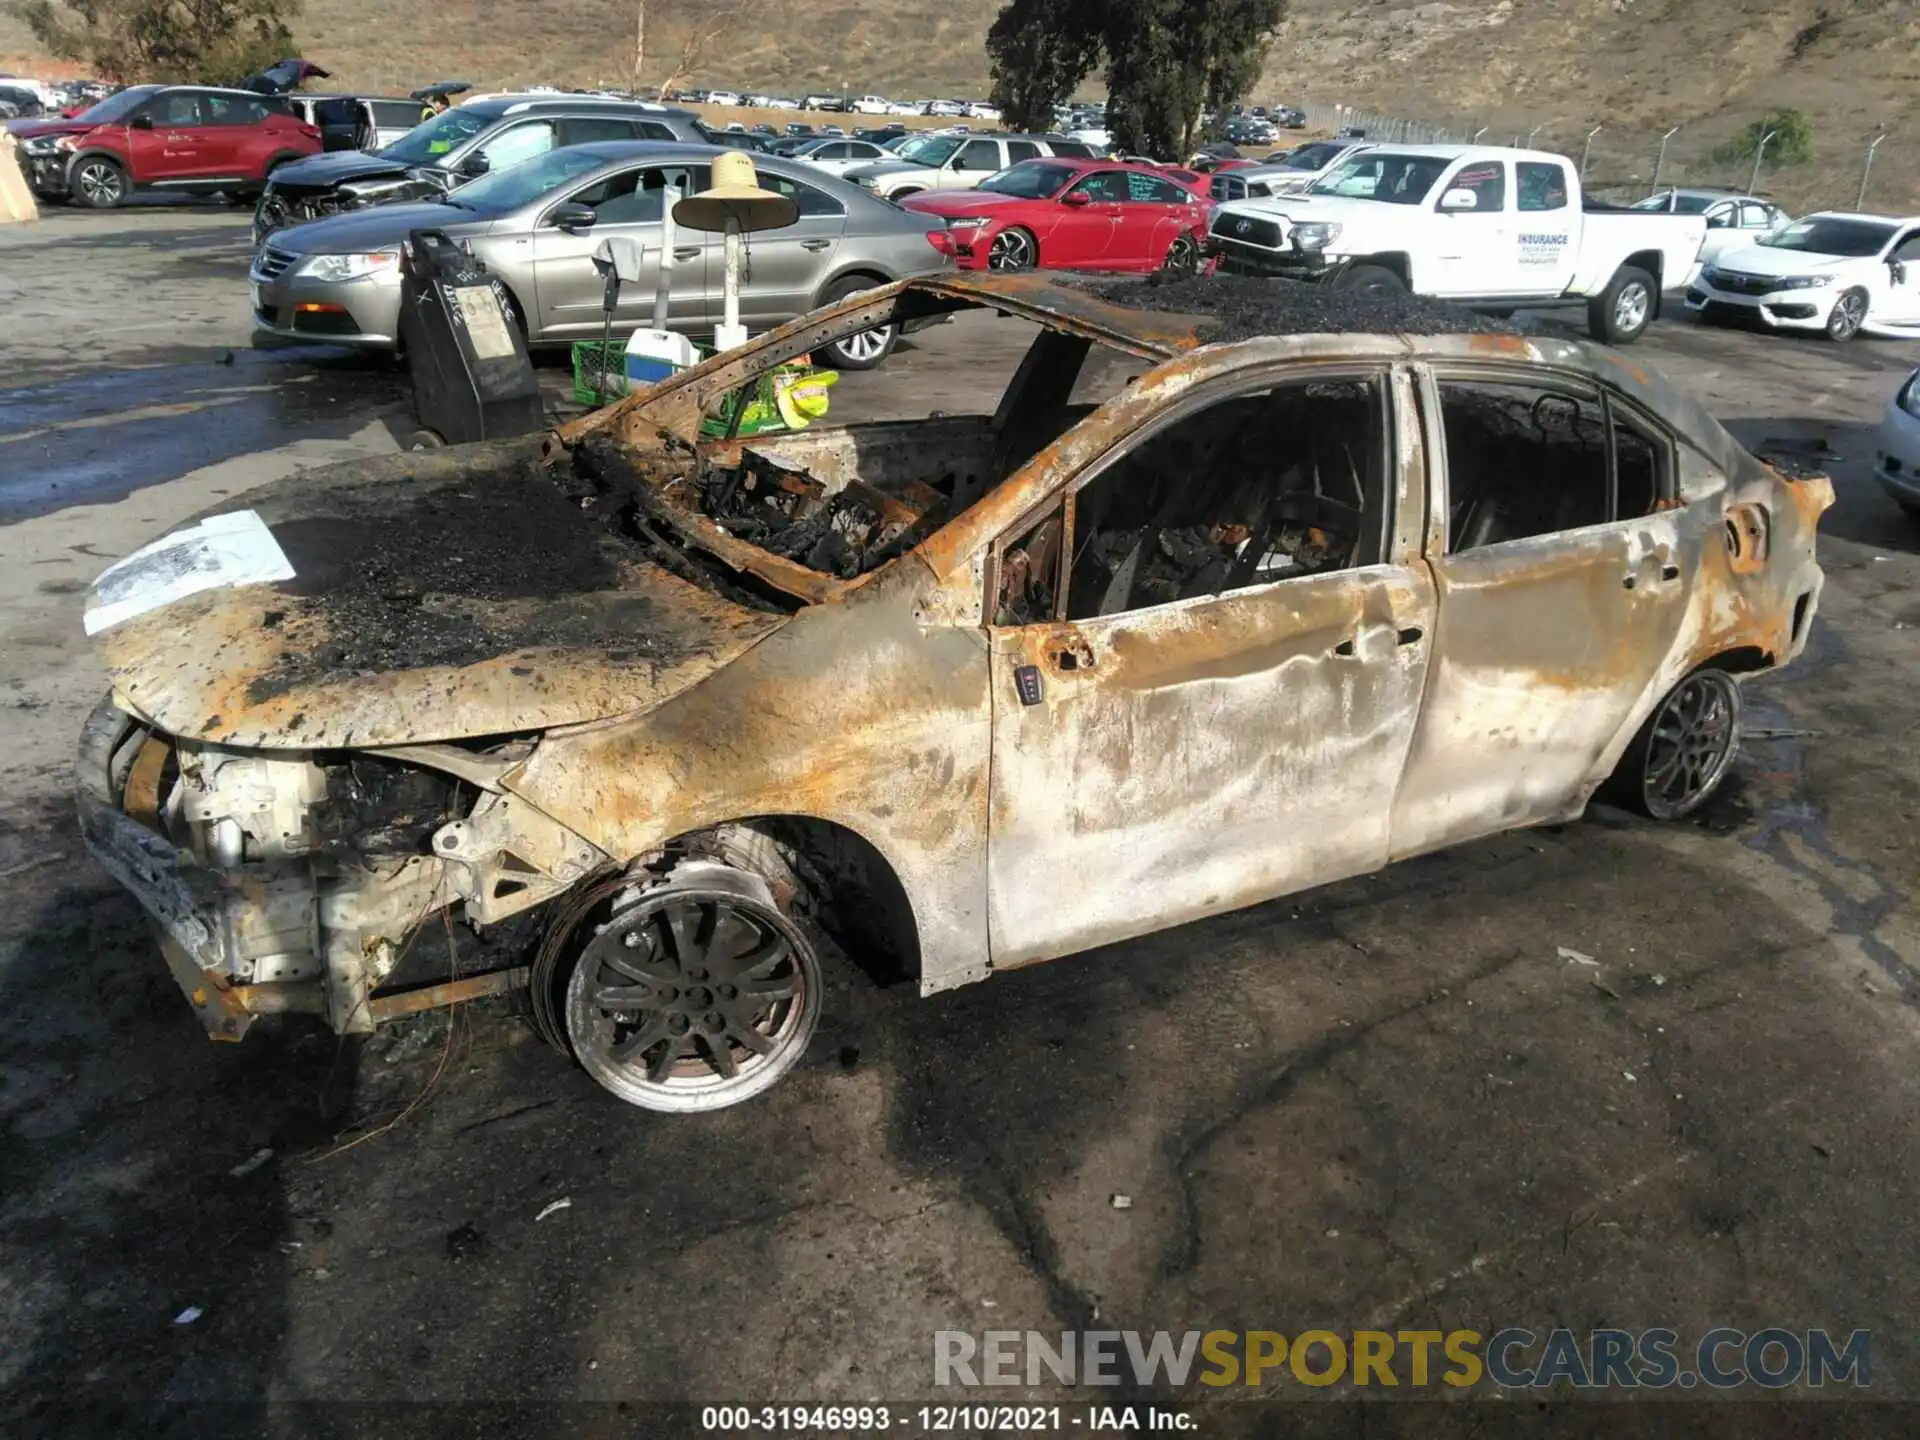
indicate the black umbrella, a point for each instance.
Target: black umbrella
{"x":447,"y":88}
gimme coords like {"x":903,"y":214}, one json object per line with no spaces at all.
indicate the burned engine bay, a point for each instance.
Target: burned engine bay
{"x":752,"y":496}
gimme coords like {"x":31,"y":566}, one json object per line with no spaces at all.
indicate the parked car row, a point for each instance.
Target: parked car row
{"x":844,"y":103}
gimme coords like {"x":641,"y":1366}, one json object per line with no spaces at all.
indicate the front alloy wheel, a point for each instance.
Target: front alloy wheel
{"x":100,"y":184}
{"x":694,"y":997}
{"x":1631,"y":308}
{"x":1011,"y":250}
{"x":1848,"y":315}
{"x":1183,"y":258}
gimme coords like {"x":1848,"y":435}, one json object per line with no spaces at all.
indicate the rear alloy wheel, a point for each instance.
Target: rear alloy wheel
{"x":1619,"y":314}
{"x":99,"y":184}
{"x":865,"y":350}
{"x":1183,"y":258}
{"x":1012,"y":250}
{"x":1684,"y":750}
{"x":1849,"y":313}
{"x":697,"y":995}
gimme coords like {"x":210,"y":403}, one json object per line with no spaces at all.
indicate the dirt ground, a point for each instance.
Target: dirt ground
{"x":1387,"y":1104}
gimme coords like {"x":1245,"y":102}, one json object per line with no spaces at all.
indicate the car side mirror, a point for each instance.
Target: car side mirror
{"x":474,"y":166}
{"x":141,"y":122}
{"x":573,"y":217}
{"x":1076,"y":198}
{"x":1460,"y":198}
{"x":1897,"y":270}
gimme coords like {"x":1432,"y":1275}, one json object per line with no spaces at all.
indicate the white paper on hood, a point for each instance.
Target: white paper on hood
{"x":222,"y":550}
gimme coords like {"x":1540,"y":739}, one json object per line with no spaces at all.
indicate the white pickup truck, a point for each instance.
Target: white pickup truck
{"x":1495,"y":228}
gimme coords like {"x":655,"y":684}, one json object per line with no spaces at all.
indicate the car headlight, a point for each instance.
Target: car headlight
{"x":1802,"y":282}
{"x":1910,"y":395}
{"x":350,"y":267}
{"x":1315,"y":235}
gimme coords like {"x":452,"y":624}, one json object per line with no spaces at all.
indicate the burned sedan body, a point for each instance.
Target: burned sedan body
{"x":643,"y":716}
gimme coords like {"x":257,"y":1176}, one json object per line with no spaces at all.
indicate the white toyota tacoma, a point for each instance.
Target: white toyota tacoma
{"x":1496,"y":228}
{"x":1836,"y":275}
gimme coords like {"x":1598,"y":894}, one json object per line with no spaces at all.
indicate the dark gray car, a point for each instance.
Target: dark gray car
{"x":456,"y":146}
{"x":535,"y":226}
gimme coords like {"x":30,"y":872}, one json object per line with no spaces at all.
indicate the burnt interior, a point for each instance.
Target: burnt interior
{"x":1283,"y":482}
{"x":378,"y":806}
{"x":1529,"y":459}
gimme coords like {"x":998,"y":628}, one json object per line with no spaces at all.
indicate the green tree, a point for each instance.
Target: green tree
{"x":1166,"y":60}
{"x":1792,"y":142}
{"x":181,"y":41}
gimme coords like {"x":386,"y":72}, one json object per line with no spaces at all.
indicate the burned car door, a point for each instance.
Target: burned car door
{"x":1207,"y":659}
{"x":1564,"y":570}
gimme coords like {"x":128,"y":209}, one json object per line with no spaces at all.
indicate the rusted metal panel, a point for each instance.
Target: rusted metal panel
{"x":853,"y":713}
{"x":1200,"y":756}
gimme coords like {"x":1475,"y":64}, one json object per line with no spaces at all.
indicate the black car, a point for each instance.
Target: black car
{"x":19,"y":103}
{"x":459,"y":144}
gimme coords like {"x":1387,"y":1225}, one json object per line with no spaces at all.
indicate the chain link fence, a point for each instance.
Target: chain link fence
{"x":1623,"y":165}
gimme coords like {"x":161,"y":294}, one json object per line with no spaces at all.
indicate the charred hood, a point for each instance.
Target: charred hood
{"x":434,"y":597}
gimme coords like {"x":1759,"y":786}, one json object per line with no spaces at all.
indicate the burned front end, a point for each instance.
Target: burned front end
{"x":298,"y":881}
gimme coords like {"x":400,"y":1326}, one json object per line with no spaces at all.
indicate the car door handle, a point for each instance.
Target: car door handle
{"x":815,"y":244}
{"x":686,"y":252}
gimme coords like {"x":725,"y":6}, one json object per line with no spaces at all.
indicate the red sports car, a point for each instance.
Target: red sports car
{"x":1062,"y":214}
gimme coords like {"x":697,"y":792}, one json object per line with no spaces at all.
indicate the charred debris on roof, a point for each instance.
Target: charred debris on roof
{"x":1238,"y":307}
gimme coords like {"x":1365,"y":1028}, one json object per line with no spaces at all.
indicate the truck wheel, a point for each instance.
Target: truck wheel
{"x":99,"y":183}
{"x":1372,"y":280}
{"x":1848,"y":315}
{"x":1618,"y":314}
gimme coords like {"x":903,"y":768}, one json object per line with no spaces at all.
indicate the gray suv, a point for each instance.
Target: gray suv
{"x":456,"y":146}
{"x":535,"y":226}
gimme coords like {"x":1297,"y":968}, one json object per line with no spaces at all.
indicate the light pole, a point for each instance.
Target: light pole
{"x":1660,"y":161}
{"x":1476,"y":135}
{"x":1759,"y":154}
{"x":1587,"y":149}
{"x":1867,"y":170}
{"x":1533,"y":132}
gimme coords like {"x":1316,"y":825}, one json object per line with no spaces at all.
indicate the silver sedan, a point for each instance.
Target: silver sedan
{"x":535,"y":226}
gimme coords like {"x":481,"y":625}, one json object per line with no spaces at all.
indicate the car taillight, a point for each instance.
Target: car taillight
{"x":941,"y":241}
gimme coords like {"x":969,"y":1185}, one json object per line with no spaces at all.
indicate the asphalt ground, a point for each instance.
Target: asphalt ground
{"x":1389,"y":1104}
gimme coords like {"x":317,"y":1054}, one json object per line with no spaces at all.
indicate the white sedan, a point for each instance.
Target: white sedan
{"x":837,"y":157}
{"x":1896,"y":463}
{"x":1832,"y":274}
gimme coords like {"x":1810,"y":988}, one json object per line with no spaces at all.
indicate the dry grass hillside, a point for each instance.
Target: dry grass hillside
{"x":1636,"y":66}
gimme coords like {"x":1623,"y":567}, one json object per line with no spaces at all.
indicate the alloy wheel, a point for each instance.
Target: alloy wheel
{"x":101,"y":184}
{"x":1183,"y":258}
{"x":867,"y":346}
{"x":693,"y":999}
{"x":1693,"y":740}
{"x":1630,"y":309}
{"x":1010,"y":250}
{"x":1849,"y":314}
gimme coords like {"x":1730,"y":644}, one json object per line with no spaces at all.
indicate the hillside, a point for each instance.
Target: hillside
{"x":1635,"y":66}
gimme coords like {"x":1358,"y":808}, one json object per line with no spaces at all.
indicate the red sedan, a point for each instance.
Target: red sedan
{"x":1070,"y":215}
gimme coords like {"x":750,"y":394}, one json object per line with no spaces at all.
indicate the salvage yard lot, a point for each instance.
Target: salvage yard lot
{"x":1392,"y":1104}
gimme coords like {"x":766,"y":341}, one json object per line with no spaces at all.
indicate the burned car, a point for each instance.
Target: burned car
{"x":650,"y":720}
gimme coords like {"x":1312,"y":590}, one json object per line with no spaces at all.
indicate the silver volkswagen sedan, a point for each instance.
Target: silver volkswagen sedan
{"x":535,"y":226}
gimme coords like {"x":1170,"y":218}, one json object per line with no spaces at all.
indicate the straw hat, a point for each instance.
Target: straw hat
{"x":736,"y":195}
